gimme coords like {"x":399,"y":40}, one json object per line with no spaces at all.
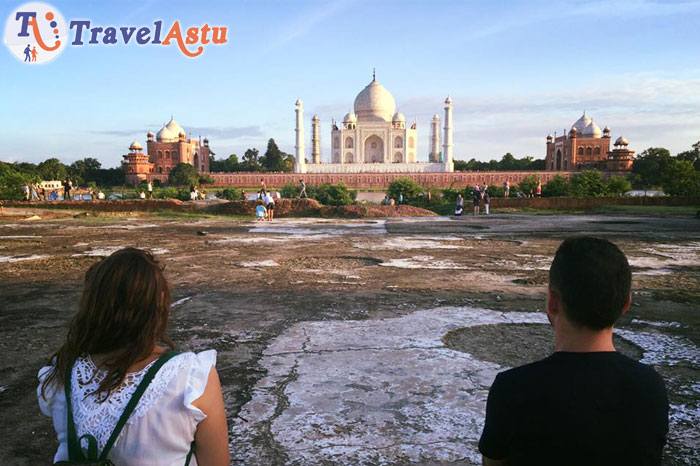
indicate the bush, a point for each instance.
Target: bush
{"x":494,"y":191}
{"x":333,"y":194}
{"x":183,"y":174}
{"x":557,"y":187}
{"x":183,"y":194}
{"x":527,"y":184}
{"x":291,"y":190}
{"x":681,"y":179}
{"x":206,"y":179}
{"x":410,"y":189}
{"x":588,"y":183}
{"x":618,"y":185}
{"x":166,"y":193}
{"x":11,"y":182}
{"x":230,"y":194}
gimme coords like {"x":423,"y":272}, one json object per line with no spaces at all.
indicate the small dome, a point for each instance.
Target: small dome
{"x":550,"y":137}
{"x":606,"y":129}
{"x":299,"y":103}
{"x":621,"y":141}
{"x":592,"y":130}
{"x":581,"y":123}
{"x":174,"y":127}
{"x":315,"y":118}
{"x":206,"y":139}
{"x":165,"y":135}
{"x":374,"y":103}
{"x":398,"y":117}
{"x":150,"y":134}
{"x":135,"y":146}
{"x":573,"y":130}
{"x":350,"y":118}
{"x":448,"y":100}
{"x":436,"y":117}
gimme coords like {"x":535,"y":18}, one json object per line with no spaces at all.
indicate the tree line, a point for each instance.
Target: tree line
{"x":274,"y":160}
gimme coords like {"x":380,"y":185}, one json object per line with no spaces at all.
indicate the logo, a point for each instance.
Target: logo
{"x":36,"y":33}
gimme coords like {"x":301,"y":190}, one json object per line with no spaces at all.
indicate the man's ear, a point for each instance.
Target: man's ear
{"x":553,"y":303}
{"x":627,"y":305}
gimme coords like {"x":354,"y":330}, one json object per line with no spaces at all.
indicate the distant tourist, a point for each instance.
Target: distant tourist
{"x":33,"y":193}
{"x":100,"y":195}
{"x":400,"y":198}
{"x":25,"y":191}
{"x":193,"y":192}
{"x":150,"y":189}
{"x":392,"y":202}
{"x":116,"y":350}
{"x":506,"y":188}
{"x":263,"y":188}
{"x":531,"y":194}
{"x":538,"y":190}
{"x":459,"y":208}
{"x":586,"y":404}
{"x":476,"y":198}
{"x":302,"y":188}
{"x":385,"y":201}
{"x":487,"y":199}
{"x":67,"y":188}
{"x":260,"y":211}
{"x":142,"y":195}
{"x":53,"y":196}
{"x":270,"y":205}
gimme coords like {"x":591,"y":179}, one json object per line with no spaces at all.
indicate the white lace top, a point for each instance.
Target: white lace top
{"x":161,"y":428}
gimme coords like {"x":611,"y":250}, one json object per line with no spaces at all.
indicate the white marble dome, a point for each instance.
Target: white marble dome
{"x":135,"y":146}
{"x":350,"y":117}
{"x":592,"y":130}
{"x":374,"y":103}
{"x":165,"y":135}
{"x":398,"y":117}
{"x":581,"y":124}
{"x":621,"y":141}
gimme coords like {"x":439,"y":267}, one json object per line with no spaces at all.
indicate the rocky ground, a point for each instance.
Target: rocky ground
{"x":350,"y":342}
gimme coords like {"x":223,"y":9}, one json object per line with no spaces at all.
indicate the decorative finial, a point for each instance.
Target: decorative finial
{"x":374,"y":74}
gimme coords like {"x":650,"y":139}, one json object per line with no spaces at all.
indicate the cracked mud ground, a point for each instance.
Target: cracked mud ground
{"x":351,"y":342}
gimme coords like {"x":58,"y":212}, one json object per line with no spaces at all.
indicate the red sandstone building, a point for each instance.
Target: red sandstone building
{"x":165,"y":149}
{"x":586,"y":147}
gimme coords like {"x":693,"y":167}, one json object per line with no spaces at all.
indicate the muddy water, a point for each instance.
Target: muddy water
{"x":364,"y":342}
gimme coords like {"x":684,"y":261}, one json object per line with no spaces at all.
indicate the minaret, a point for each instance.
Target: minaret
{"x":434,"y":151}
{"x":315,"y":141}
{"x":300,"y":165}
{"x":447,"y":139}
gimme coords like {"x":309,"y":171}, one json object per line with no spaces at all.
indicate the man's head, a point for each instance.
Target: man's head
{"x":590,"y":279}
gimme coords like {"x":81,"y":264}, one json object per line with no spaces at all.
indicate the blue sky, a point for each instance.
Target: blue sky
{"x":516,"y":70}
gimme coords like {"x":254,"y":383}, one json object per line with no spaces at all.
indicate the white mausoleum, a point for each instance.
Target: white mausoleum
{"x":374,"y":138}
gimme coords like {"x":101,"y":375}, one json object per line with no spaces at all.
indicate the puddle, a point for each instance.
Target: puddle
{"x":662,"y":256}
{"x":20,"y":237}
{"x":108,"y":250}
{"x":407,"y":243}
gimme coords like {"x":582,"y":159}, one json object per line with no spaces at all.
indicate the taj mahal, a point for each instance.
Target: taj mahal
{"x":374,"y":138}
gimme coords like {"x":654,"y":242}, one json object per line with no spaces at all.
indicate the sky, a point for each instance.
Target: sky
{"x":516,"y":71}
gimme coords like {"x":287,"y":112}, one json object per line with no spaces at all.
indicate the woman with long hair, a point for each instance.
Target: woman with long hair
{"x":115,"y":388}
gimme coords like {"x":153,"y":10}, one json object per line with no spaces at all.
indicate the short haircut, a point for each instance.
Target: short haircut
{"x":593,"y":279}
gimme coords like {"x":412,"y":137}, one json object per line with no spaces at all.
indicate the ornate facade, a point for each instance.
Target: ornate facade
{"x":165,"y":149}
{"x":374,"y":138}
{"x":586,"y":146}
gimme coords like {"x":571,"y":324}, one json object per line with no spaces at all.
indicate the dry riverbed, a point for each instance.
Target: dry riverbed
{"x":351,"y":342}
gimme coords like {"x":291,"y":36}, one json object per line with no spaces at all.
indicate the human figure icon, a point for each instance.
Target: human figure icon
{"x":34,"y":53}
{"x":27,"y":51}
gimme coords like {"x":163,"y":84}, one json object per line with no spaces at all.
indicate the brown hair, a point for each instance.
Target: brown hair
{"x":123,"y":312}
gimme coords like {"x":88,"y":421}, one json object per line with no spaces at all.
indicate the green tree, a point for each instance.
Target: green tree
{"x":11,"y":182}
{"x":333,"y":194}
{"x":649,"y":167}
{"x":681,"y":179}
{"x":558,"y":186}
{"x":52,"y":169}
{"x":205,"y":178}
{"x":588,"y":183}
{"x":251,"y":161}
{"x":230,"y":194}
{"x":410,"y":189}
{"x":692,"y":155}
{"x":227,"y":165}
{"x":618,"y":185}
{"x":183,"y":174}
{"x":273,"y":160}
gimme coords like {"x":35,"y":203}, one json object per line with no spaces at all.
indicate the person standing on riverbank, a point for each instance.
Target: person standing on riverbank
{"x":506,"y":188}
{"x":302,"y":188}
{"x":487,"y":199}
{"x":476,"y":198}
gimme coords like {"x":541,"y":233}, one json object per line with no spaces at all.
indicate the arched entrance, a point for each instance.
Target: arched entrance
{"x":558,"y":159}
{"x":374,"y":149}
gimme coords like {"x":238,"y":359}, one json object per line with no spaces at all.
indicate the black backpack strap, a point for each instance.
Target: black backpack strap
{"x":74,"y":450}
